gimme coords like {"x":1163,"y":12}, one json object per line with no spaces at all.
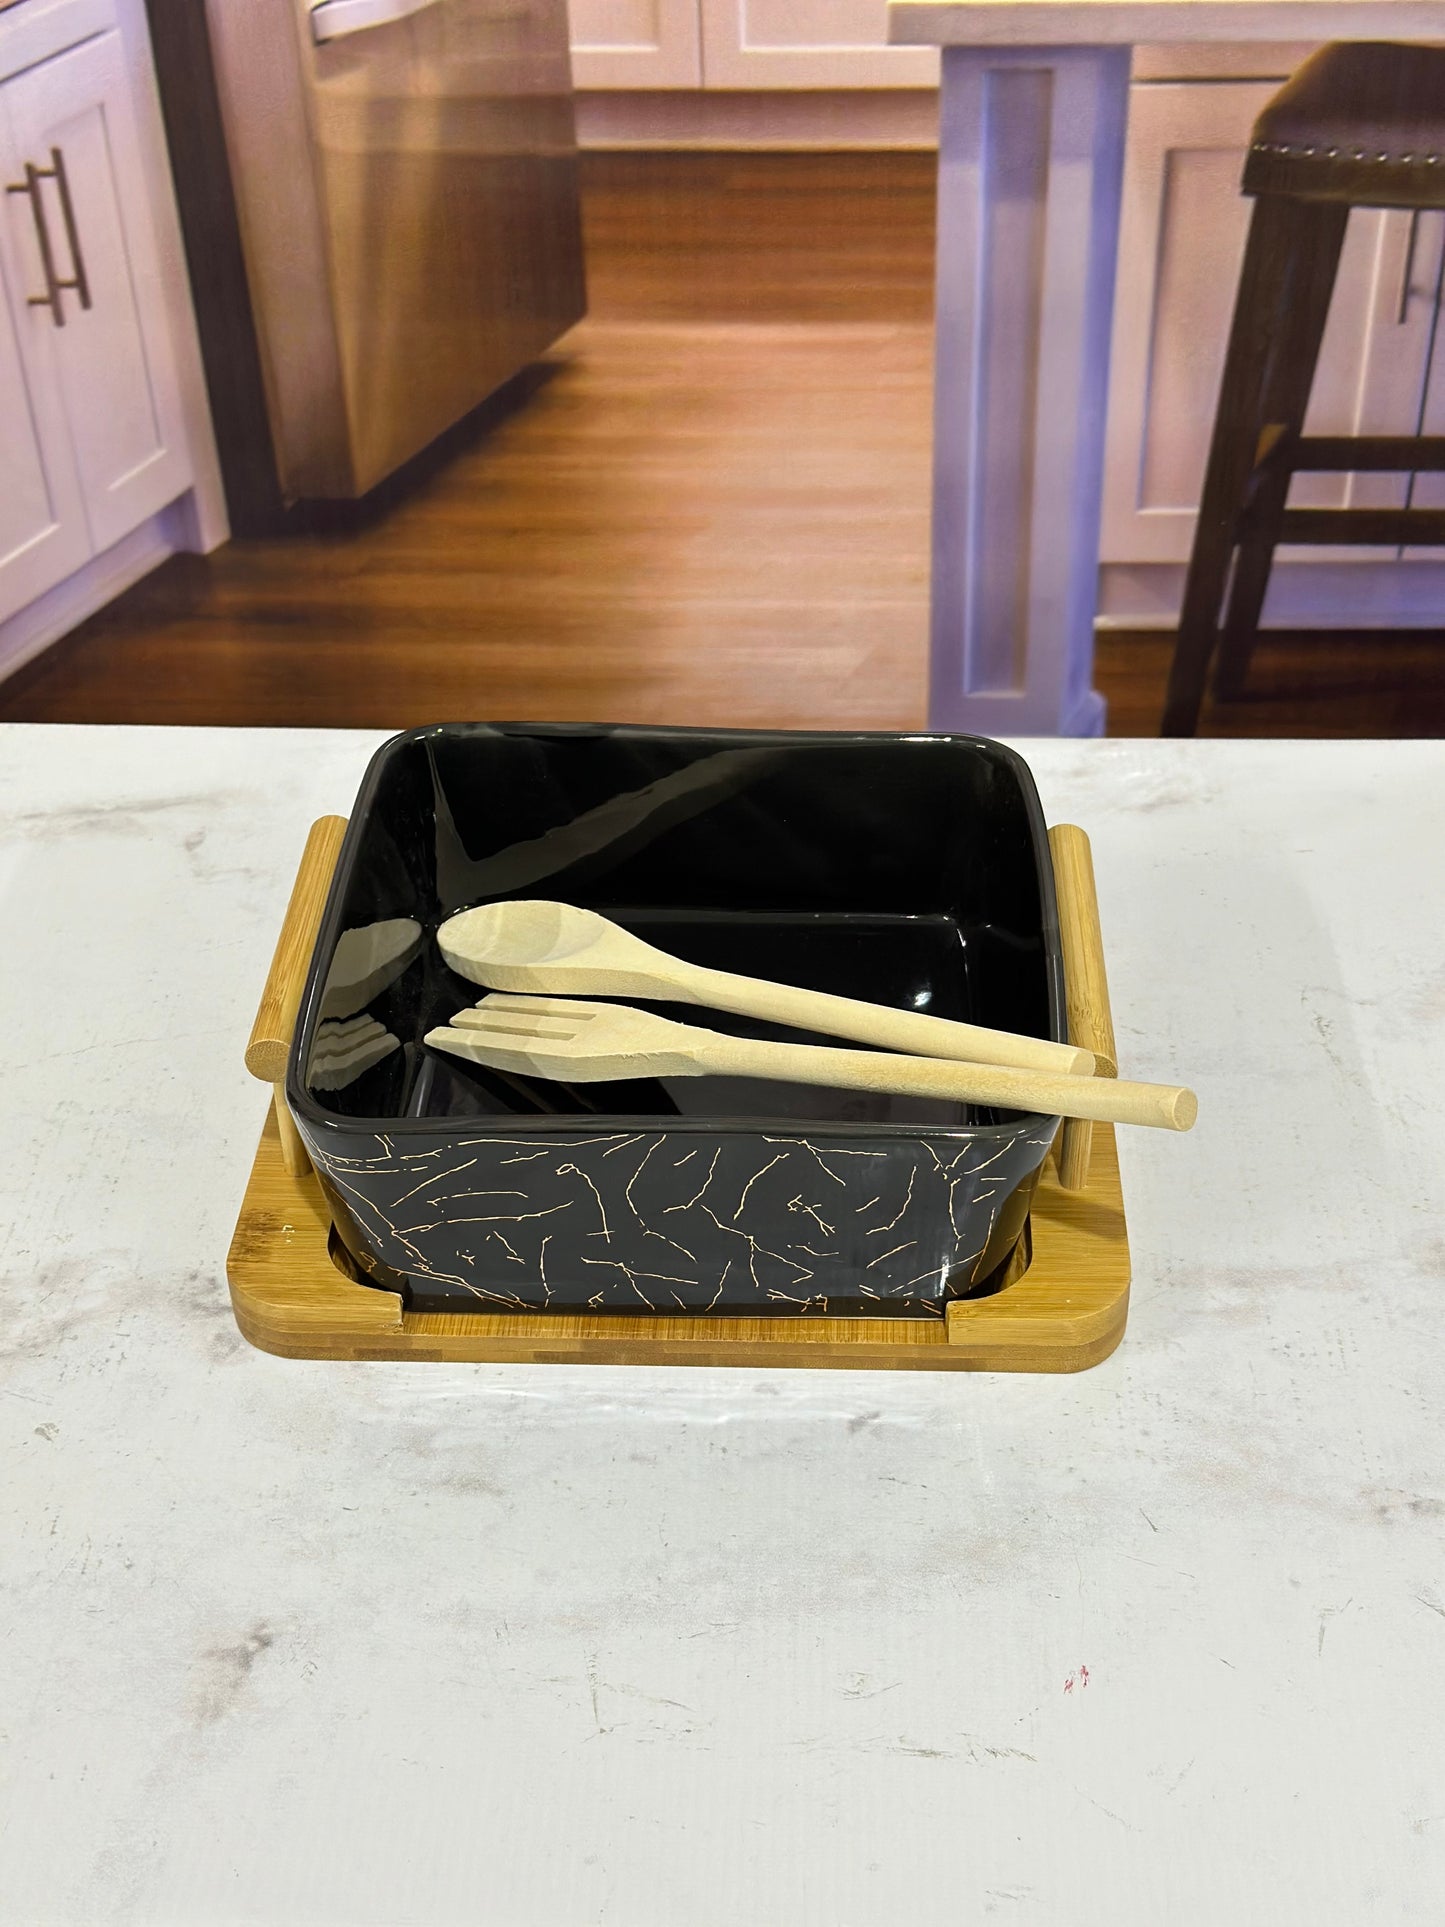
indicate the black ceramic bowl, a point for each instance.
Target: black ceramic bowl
{"x":909,"y":870}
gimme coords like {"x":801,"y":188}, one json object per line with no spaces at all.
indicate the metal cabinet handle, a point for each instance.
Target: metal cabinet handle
{"x":333,"y":18}
{"x":54,"y":285}
{"x":81,"y":282}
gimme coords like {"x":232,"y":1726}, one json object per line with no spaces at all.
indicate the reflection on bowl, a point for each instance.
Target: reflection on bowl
{"x":366,"y":960}
{"x":343,"y":1051}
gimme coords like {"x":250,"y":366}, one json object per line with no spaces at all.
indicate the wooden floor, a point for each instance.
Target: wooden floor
{"x":710,"y":506}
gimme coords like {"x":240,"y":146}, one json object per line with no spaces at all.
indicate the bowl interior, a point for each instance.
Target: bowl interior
{"x":904,"y":870}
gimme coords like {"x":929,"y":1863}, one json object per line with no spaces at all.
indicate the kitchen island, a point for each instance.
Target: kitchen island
{"x":1033,"y":116}
{"x":424,"y":1645}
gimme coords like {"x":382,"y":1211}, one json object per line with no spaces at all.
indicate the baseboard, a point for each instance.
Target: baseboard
{"x":104,"y":577}
{"x":1302,"y":595}
{"x":834,"y":122}
{"x":863,"y":118}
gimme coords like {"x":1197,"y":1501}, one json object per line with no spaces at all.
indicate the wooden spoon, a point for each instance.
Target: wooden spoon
{"x":532,"y":945}
{"x":578,"y":1043}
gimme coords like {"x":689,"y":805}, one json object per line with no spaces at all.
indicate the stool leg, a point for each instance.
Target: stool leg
{"x":1248,"y":588}
{"x":1259,"y":311}
{"x":1320,"y":236}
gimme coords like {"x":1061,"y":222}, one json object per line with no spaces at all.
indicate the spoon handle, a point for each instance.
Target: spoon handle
{"x":909,"y":1031}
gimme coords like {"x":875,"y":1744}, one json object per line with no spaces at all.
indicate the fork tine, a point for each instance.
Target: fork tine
{"x":560,"y":1008}
{"x":505,"y":1026}
{"x":497,"y":1036}
{"x":446,"y":1037}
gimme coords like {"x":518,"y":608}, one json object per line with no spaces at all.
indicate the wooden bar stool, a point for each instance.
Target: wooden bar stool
{"x":1360,"y":125}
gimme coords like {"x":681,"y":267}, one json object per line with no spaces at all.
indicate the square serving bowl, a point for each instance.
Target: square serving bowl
{"x":907,"y":870}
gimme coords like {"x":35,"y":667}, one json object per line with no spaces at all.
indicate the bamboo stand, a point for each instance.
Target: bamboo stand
{"x":1064,"y":1308}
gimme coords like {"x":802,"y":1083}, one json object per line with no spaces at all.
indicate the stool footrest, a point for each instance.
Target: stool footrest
{"x":1363,"y":527}
{"x":1377,"y":454}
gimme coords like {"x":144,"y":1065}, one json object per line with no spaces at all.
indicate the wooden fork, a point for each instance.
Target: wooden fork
{"x":576,"y":1042}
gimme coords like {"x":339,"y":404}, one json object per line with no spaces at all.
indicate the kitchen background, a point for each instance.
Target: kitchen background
{"x":340,"y":387}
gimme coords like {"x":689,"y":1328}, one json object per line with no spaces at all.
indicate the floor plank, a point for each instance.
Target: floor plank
{"x":681,"y":525}
{"x":1365,"y":683}
{"x":709,"y":506}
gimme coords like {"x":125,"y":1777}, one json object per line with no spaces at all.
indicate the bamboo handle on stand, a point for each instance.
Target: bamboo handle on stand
{"x":1086,"y":986}
{"x":275,"y":1024}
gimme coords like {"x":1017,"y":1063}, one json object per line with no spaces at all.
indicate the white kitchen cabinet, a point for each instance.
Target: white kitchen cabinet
{"x":741,"y":45}
{"x":103,"y":345}
{"x":107,"y":459}
{"x":635,"y":44}
{"x":807,"y":43}
{"x":43,"y":534}
{"x":1181,"y":243}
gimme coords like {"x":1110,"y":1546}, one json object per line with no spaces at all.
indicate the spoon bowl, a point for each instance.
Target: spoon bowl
{"x":534,"y":945}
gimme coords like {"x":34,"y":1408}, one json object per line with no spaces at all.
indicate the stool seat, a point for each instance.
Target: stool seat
{"x":1362,"y":123}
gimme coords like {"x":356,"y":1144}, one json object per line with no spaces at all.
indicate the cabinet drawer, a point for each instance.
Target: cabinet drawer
{"x":808,"y":43}
{"x":628,"y":44}
{"x":1272,"y":60}
{"x":37,"y":29}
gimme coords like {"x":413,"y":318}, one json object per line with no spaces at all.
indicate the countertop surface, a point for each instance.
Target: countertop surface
{"x":311,"y":1643}
{"x":964,"y":23}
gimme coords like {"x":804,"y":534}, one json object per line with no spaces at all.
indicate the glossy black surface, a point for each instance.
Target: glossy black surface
{"x":906,"y":870}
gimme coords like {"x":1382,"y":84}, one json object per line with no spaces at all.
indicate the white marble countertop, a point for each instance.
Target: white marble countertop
{"x":298,"y":1644}
{"x":1024,"y":23}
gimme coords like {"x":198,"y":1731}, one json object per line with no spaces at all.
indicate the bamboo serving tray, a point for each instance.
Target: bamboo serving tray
{"x":295,"y":1292}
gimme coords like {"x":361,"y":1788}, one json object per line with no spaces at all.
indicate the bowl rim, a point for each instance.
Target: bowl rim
{"x":322,"y":1123}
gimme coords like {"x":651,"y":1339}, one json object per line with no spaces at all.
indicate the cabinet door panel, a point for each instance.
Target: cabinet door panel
{"x":112,"y":361}
{"x":808,"y":43}
{"x":43,"y":534}
{"x":635,"y":43}
{"x":1181,"y":245}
